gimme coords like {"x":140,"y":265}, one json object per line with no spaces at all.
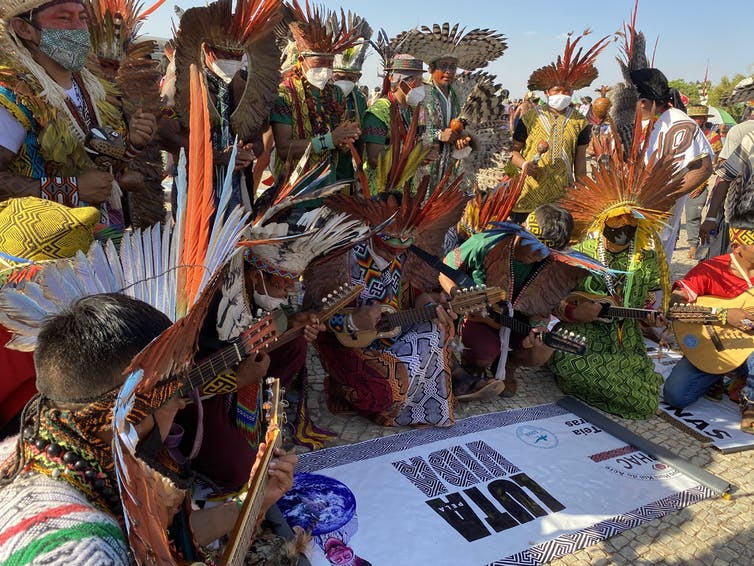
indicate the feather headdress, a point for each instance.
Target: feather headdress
{"x":247,"y":30}
{"x":352,"y":58}
{"x":627,"y":183}
{"x":472,"y":50}
{"x":625,"y":95}
{"x":319,"y":33}
{"x":572,"y":69}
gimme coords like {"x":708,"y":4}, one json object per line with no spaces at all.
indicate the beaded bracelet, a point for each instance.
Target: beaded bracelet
{"x":722,"y":315}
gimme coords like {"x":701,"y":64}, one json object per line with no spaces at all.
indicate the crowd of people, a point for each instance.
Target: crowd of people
{"x":303,"y":187}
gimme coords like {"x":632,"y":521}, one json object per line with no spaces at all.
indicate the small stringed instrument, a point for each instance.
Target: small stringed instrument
{"x":243,"y":532}
{"x":475,"y":299}
{"x":611,"y":309}
{"x":557,"y":339}
{"x":716,"y":348}
{"x":262,"y":334}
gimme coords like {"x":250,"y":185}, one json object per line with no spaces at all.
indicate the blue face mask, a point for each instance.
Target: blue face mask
{"x":69,"y":48}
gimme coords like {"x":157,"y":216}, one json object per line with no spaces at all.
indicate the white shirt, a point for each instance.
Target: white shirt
{"x":13,"y":133}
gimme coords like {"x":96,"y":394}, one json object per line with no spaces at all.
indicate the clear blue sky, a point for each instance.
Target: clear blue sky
{"x":690,"y":33}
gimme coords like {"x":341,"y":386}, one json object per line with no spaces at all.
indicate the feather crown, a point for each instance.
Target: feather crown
{"x":471,"y":50}
{"x":285,"y":247}
{"x":114,"y":25}
{"x":352,"y":58}
{"x":247,"y":30}
{"x":318,"y":33}
{"x":629,"y":184}
{"x":572,"y":69}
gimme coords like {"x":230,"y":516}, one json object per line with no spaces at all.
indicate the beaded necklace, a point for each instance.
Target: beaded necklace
{"x":325,"y":111}
{"x":614,"y":284}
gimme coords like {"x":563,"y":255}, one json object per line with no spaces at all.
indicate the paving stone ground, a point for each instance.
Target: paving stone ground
{"x":712,"y":532}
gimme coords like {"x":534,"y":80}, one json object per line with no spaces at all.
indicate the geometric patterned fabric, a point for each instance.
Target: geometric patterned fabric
{"x":38,"y":229}
{"x":615,"y":375}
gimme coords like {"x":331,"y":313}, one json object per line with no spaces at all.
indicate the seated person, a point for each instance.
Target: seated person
{"x":615,"y":374}
{"x":725,"y":276}
{"x":64,"y":460}
{"x":513,"y":259}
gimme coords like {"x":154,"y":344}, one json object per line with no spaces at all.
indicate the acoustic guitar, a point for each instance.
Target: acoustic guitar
{"x":611,"y":310}
{"x":242,"y":536}
{"x":474,"y":299}
{"x":716,"y":348}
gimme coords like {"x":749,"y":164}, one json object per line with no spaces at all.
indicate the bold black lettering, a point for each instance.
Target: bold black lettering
{"x":515,"y":500}
{"x":459,"y":515}
{"x":541,"y":493}
{"x":498,"y":520}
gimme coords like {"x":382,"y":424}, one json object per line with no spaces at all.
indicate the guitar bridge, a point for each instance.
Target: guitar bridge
{"x":716,"y":342}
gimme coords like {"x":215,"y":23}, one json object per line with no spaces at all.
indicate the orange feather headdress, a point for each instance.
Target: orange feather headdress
{"x":571,"y":70}
{"x":629,"y":183}
{"x":318,"y":33}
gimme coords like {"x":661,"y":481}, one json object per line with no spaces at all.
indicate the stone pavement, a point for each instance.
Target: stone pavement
{"x":714,"y":532}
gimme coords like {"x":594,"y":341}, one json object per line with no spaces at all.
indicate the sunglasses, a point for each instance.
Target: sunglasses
{"x":445,"y":66}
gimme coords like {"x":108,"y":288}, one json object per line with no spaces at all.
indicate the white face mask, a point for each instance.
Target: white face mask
{"x":318,"y":76}
{"x":345,"y":86}
{"x":415,"y":96}
{"x":226,"y":69}
{"x":559,"y":101}
{"x":265,"y":302}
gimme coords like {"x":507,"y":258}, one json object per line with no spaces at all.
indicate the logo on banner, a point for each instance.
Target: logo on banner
{"x":631,"y":463}
{"x":536,"y":436}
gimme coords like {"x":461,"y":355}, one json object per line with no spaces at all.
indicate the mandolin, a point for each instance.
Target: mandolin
{"x":471,"y":300}
{"x":242,"y":536}
{"x":612,"y":310}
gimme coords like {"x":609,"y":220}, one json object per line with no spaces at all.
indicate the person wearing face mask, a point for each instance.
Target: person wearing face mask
{"x":310,"y":110}
{"x":240,"y":99}
{"x":347,"y":71}
{"x":559,"y":124}
{"x":49,"y":104}
{"x":444,"y":49}
{"x":622,"y":224}
{"x":407,"y":92}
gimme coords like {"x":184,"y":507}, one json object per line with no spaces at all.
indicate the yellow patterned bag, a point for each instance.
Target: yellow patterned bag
{"x":37,"y":229}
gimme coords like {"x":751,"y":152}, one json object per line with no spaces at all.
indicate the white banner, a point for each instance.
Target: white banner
{"x":518,"y":487}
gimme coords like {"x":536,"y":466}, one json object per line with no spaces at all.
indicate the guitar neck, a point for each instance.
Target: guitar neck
{"x":410,"y":316}
{"x":624,"y":312}
{"x":209,"y":367}
{"x":243,"y":533}
{"x":517,"y":326}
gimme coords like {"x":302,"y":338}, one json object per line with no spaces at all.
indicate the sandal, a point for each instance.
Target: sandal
{"x":716,"y":390}
{"x":747,"y":415}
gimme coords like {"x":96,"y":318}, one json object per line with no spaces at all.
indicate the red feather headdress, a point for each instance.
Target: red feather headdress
{"x":572,"y":70}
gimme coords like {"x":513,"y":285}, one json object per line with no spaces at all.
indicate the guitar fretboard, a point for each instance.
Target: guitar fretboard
{"x":410,"y":316}
{"x":621,"y":312}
